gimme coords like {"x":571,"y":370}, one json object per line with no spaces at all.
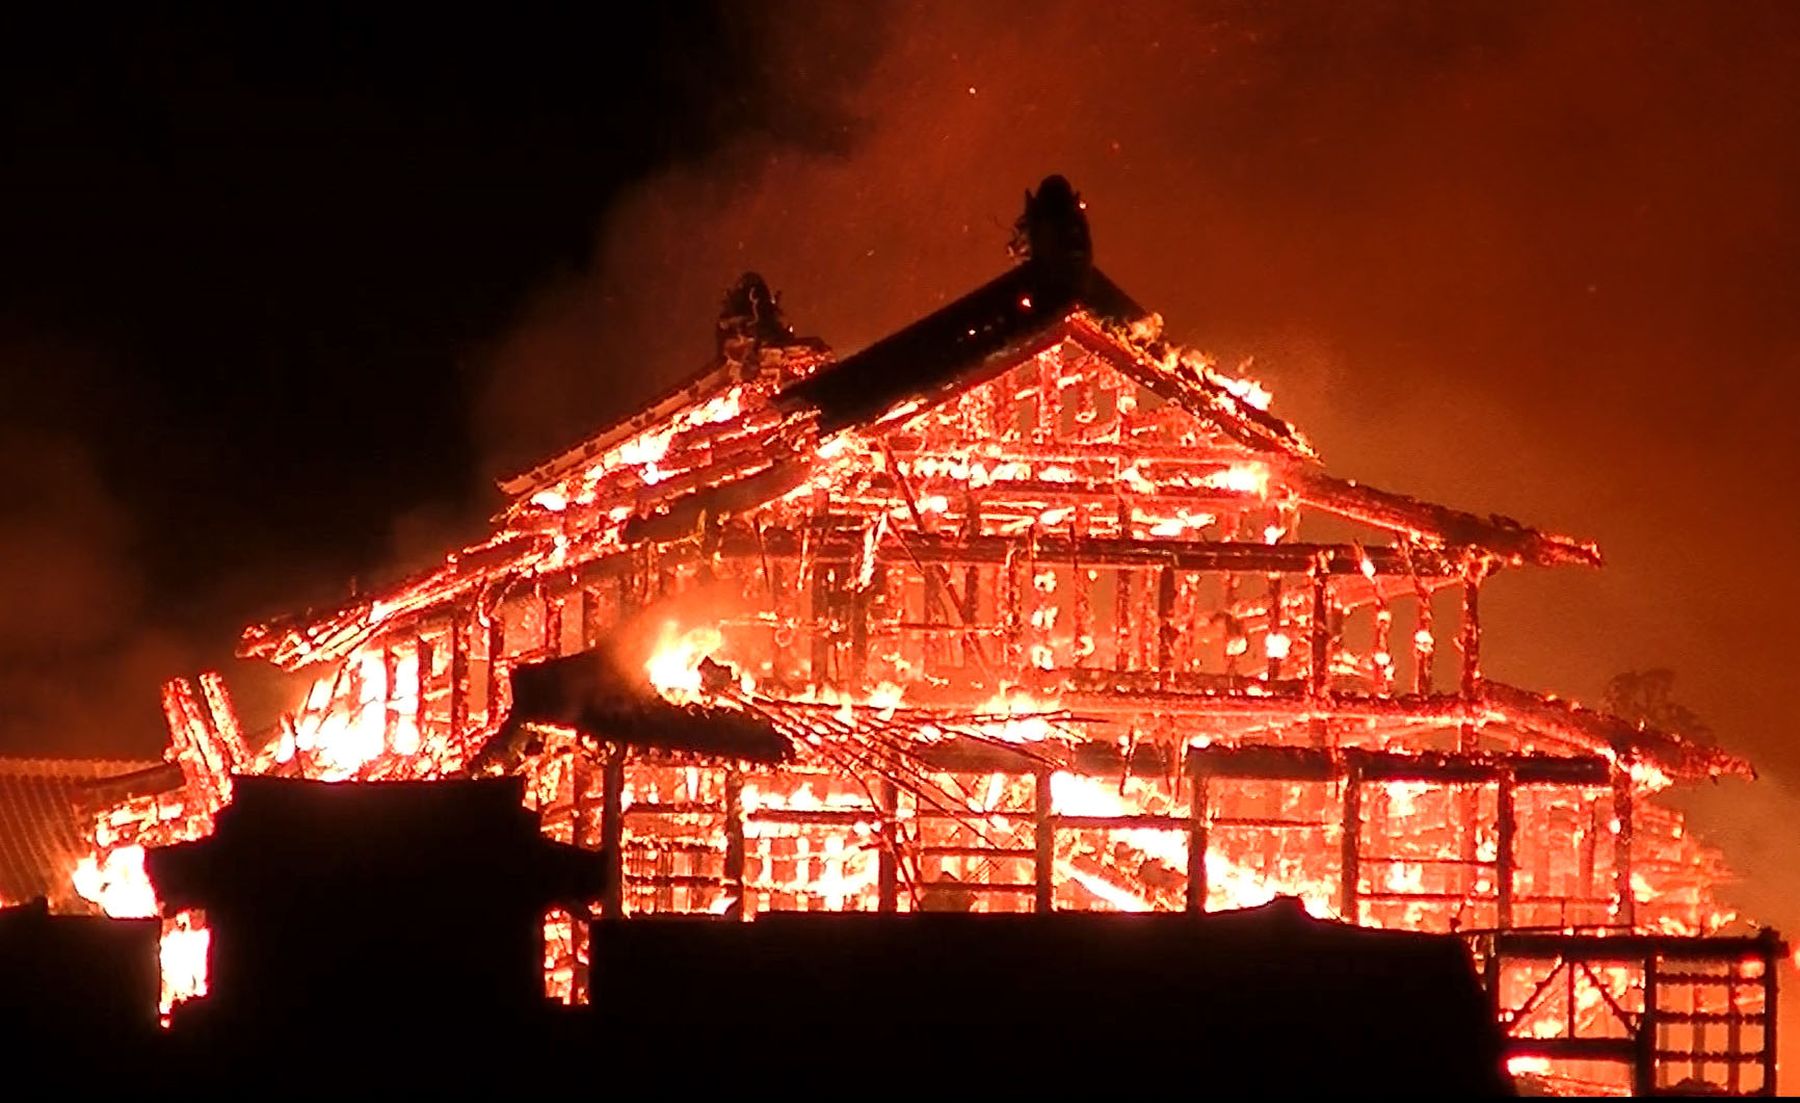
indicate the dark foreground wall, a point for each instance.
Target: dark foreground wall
{"x":382,"y":939}
{"x":77,"y":1001}
{"x":1266,"y":1001}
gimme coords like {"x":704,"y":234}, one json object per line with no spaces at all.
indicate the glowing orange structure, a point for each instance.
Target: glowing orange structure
{"x":1053,"y":614}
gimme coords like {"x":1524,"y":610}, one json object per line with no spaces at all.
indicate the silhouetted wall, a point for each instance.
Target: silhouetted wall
{"x":384,"y":939}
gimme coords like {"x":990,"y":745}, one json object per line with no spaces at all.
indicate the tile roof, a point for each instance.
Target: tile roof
{"x":43,"y":820}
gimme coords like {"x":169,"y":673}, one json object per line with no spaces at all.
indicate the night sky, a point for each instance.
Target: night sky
{"x":277,"y":301}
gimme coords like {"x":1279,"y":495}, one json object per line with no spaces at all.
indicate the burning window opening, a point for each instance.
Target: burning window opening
{"x":1022,"y":608}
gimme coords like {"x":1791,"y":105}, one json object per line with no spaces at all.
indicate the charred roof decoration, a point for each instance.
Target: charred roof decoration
{"x":1053,"y":230}
{"x":1024,"y":607}
{"x":751,"y":315}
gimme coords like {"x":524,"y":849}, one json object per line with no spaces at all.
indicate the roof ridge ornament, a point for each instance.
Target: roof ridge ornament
{"x":749,"y":317}
{"x":1053,"y":230}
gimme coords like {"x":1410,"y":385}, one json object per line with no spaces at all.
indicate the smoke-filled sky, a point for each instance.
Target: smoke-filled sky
{"x":275,"y":301}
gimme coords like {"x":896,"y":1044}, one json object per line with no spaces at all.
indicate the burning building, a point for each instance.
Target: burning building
{"x":1021,"y":608}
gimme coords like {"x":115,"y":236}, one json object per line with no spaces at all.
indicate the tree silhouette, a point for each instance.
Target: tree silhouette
{"x":1648,"y":697}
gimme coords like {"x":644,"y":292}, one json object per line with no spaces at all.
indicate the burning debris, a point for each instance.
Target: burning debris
{"x":1023,"y":607}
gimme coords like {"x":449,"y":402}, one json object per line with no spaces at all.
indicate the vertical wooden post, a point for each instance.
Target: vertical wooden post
{"x":1622,"y":842}
{"x":1590,"y":846}
{"x":858,"y":676}
{"x":1199,"y":830}
{"x":458,"y":635}
{"x":1275,"y":626}
{"x":971,"y":607}
{"x":1643,"y":1064}
{"x":1734,"y":1033}
{"x":1082,"y":611}
{"x":1383,"y":641}
{"x":1424,"y":643}
{"x":1044,"y":835}
{"x":888,"y":859}
{"x":1469,"y":639}
{"x":426,"y":651}
{"x":1122,"y":577}
{"x":1318,"y":645}
{"x":496,"y":649}
{"x":820,"y":674}
{"x":612,"y":833}
{"x":1491,"y":974}
{"x":552,"y":626}
{"x":581,"y":776}
{"x":1165,"y":621}
{"x":734,"y":842}
{"x":1771,"y":960}
{"x":1468,"y":643}
{"x":1349,"y":898}
{"x":587,"y":613}
{"x":1013,"y":605}
{"x":390,"y":720}
{"x":1505,"y":828}
{"x":934,"y":646}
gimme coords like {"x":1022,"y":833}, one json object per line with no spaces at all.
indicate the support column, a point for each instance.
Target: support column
{"x":1349,"y":898}
{"x":1468,"y":643}
{"x":973,"y":657}
{"x":1276,"y":625}
{"x":587,"y":612}
{"x":1643,"y":1063}
{"x":1772,"y":959}
{"x":1044,"y":834}
{"x":553,"y":626}
{"x":888,"y":859}
{"x":1505,"y":829}
{"x":1621,"y":786}
{"x":821,"y":623}
{"x":1199,"y":830}
{"x":458,"y":636}
{"x":1165,"y":620}
{"x":1424,"y":643}
{"x":1318,"y":646}
{"x":496,"y":648}
{"x":734,"y":843}
{"x":1469,"y":639}
{"x":612,"y":834}
{"x":1122,"y":647}
{"x":858,"y":677}
{"x":390,"y":721}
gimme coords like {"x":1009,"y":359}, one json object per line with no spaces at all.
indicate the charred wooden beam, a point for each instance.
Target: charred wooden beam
{"x":1166,"y":629}
{"x":1199,"y":839}
{"x":1469,"y":639}
{"x":888,"y":858}
{"x":1623,"y":890}
{"x":1505,"y":828}
{"x":1350,"y":885}
{"x":612,"y":834}
{"x":458,"y":635}
{"x":1044,"y":840}
{"x":1318,"y":658}
{"x":1444,"y":767}
{"x":1732,"y":949}
{"x":1095,"y":551}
